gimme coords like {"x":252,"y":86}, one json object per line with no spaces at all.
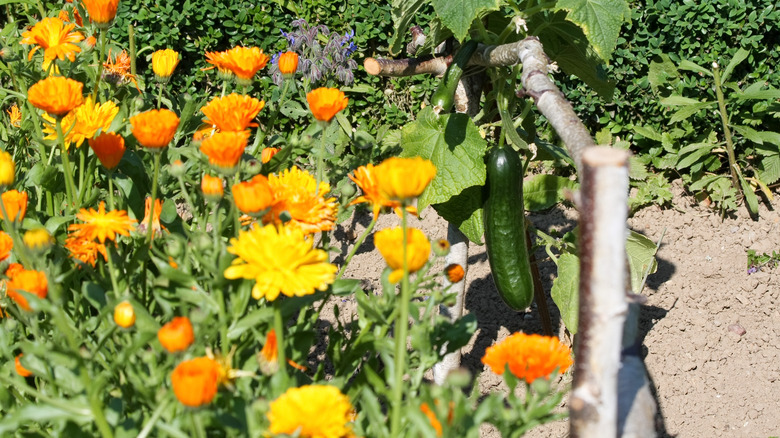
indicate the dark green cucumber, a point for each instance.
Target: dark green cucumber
{"x":445,"y":92}
{"x":504,"y":220}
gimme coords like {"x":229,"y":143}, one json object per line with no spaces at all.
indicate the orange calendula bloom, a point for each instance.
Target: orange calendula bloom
{"x":90,"y":42}
{"x":6,"y":245}
{"x":109,"y":148}
{"x":85,"y":250}
{"x":155,"y":129}
{"x":55,"y":38}
{"x":212,"y":187}
{"x":365,"y":178}
{"x":15,"y":116}
{"x":324,"y":103}
{"x":56,"y":95}
{"x":164,"y":62}
{"x":30,"y":281}
{"x":529,"y":357}
{"x":233,"y":112}
{"x":101,"y":12}
{"x":101,"y":224}
{"x":454,"y":273}
{"x":312,"y":411}
{"x":404,"y":178}
{"x":195,"y":382}
{"x":244,"y":62}
{"x":143,"y":226}
{"x":288,"y":63}
{"x":268,"y":358}
{"x":21,"y":370}
{"x":15,"y":204}
{"x":225,"y":149}
{"x":217,"y":59}
{"x":296,"y":192}
{"x":118,"y":71}
{"x":267,"y":154}
{"x":176,"y":335}
{"x":389,"y":242}
{"x":253,"y":196}
{"x":432,"y":418}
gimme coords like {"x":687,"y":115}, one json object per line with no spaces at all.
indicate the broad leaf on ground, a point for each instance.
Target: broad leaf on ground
{"x":641,"y":259}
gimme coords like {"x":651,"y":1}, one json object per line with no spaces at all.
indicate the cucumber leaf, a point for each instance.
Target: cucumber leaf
{"x":600,"y":20}
{"x":458,"y":15}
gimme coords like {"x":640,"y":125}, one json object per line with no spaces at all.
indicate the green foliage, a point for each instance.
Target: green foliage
{"x":757,"y":262}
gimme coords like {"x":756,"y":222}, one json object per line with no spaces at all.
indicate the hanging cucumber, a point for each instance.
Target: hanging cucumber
{"x":444,"y":95}
{"x":505,"y":228}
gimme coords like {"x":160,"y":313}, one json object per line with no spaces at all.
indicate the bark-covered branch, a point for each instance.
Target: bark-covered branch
{"x":407,"y":67}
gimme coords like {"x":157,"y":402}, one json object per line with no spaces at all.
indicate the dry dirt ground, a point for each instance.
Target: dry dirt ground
{"x":711,"y":330}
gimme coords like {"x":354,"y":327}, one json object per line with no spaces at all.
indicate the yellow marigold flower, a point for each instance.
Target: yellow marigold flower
{"x":432,"y":418}
{"x":288,"y":63}
{"x":244,"y":62}
{"x":56,"y":95}
{"x":15,"y":204}
{"x":324,"y":103}
{"x":83,"y":122}
{"x":268,"y":358}
{"x":267,"y":154}
{"x":195,"y":382}
{"x":365,"y":178}
{"x":280,"y":260}
{"x":55,"y":38}
{"x":212,"y":188}
{"x":21,"y":370}
{"x":225,"y":149}
{"x":109,"y":148}
{"x":38,"y":239}
{"x":529,"y":356}
{"x":14,"y":116}
{"x":176,"y":335}
{"x":33,"y":282}
{"x":404,"y":178}
{"x":7,"y":169}
{"x":118,"y":71}
{"x":455,"y":273}
{"x":85,"y":250}
{"x":102,"y":224}
{"x":101,"y":12}
{"x":154,"y":129}
{"x":164,"y":62}
{"x":389,"y":242}
{"x":295,"y":192}
{"x":233,"y":112}
{"x":124,"y":314}
{"x":312,"y":411}
{"x":157,"y":227}
{"x":253,"y":196}
{"x":6,"y":245}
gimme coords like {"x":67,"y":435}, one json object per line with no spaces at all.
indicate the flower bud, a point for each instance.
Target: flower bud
{"x":124,"y":314}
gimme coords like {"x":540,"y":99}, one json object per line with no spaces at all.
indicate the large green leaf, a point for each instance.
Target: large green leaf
{"x":565,"y":290}
{"x":465,"y":212}
{"x":770,"y":169}
{"x":641,"y":259}
{"x":452,"y":142}
{"x":543,"y":191}
{"x":458,"y":15}
{"x":601,"y":21}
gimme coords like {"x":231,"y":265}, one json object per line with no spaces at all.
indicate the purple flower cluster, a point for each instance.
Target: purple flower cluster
{"x":752,"y":270}
{"x":323,"y":55}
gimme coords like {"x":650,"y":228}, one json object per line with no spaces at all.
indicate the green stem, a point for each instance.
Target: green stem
{"x":355,"y":247}
{"x":150,"y":227}
{"x":724,"y":120}
{"x":159,"y":95}
{"x":279,"y":329}
{"x":186,"y":194}
{"x":112,"y":272}
{"x":66,"y":169}
{"x":197,"y":426}
{"x":111,"y":190}
{"x":153,"y":419}
{"x":82,"y":162}
{"x":86,"y":191}
{"x":401,"y":330}
{"x":260,"y":138}
{"x":216,"y":228}
{"x":321,"y":155}
{"x":100,"y":64}
{"x":131,"y":37}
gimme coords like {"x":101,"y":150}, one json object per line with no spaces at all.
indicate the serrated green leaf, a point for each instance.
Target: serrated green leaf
{"x":565,"y":290}
{"x":757,"y":92}
{"x":688,"y":160}
{"x":458,"y":15}
{"x":452,"y":142}
{"x":770,"y":169}
{"x":543,"y":191}
{"x":749,"y":133}
{"x":601,"y":21}
{"x":636,"y":170}
{"x":465,"y":212}
{"x":641,"y":258}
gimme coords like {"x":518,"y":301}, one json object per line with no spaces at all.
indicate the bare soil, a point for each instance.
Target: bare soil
{"x":710,"y":329}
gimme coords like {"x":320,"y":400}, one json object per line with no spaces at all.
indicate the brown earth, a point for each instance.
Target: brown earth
{"x":710,"y":329}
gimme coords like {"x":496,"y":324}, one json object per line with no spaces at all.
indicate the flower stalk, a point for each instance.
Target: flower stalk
{"x":401,"y":331}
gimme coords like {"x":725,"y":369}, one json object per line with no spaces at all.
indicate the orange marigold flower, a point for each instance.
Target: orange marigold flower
{"x":176,"y":335}
{"x":296,"y":192}
{"x":212,"y":187}
{"x":102,"y":224}
{"x":21,"y":370}
{"x":154,"y":129}
{"x":164,"y":62}
{"x":30,"y":281}
{"x":56,"y":95}
{"x":454,"y":273}
{"x":225,"y":149}
{"x":124,"y":314}
{"x":118,"y":71}
{"x":14,"y":116}
{"x":268,"y":358}
{"x":15,"y":204}
{"x":6,"y":245}
{"x":529,"y":357}
{"x":432,"y":418}
{"x":55,"y":38}
{"x":85,"y":250}
{"x":365,"y":178}
{"x":389,"y":242}
{"x":13,"y":269}
{"x":195,"y":382}
{"x":324,"y":103}
{"x":244,"y":62}
{"x":90,"y":42}
{"x":157,"y":227}
{"x":288,"y":63}
{"x":253,"y":196}
{"x":267,"y":154}
{"x":109,"y":148}
{"x":233,"y":112}
{"x":404,"y":178}
{"x":101,"y":12}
